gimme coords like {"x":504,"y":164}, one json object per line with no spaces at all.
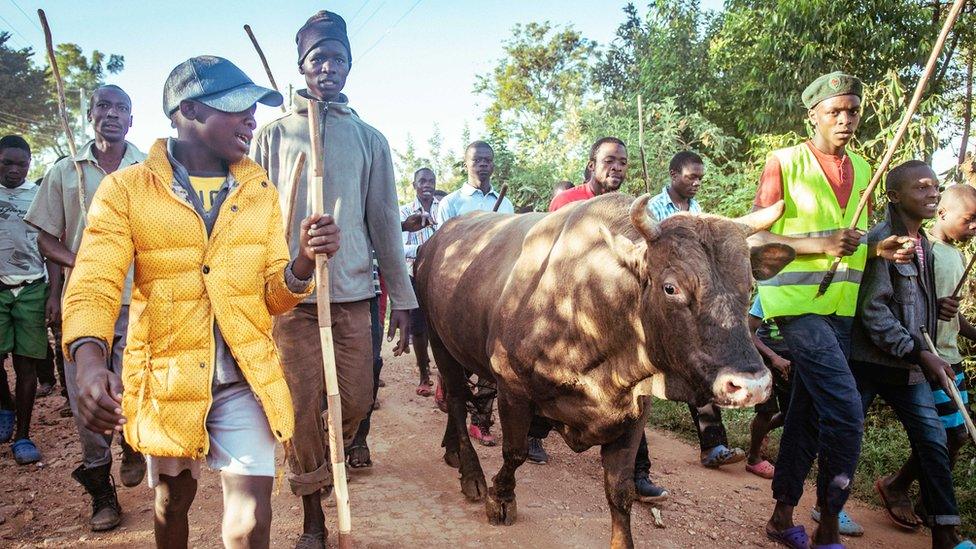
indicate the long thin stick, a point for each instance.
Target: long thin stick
{"x":63,"y":110}
{"x":264,"y":61}
{"x":336,"y":450}
{"x":965,"y":276}
{"x":501,"y":197}
{"x":296,"y":175}
{"x":953,"y":391}
{"x":896,"y":140}
{"x":640,"y":142}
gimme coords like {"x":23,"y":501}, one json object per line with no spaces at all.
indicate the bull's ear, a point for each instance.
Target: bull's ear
{"x":628,"y":253}
{"x":769,"y":259}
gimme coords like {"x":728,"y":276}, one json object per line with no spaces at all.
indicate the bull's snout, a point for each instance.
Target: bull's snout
{"x":739,"y":390}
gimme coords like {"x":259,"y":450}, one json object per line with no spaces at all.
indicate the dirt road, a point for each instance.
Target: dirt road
{"x":410,"y":498}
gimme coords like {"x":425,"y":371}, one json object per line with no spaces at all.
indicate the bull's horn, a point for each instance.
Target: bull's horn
{"x":642,"y":220}
{"x":761,"y":220}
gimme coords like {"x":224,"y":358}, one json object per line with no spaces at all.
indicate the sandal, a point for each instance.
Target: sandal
{"x":847,"y":525}
{"x":25,"y":452}
{"x":8,"y":418}
{"x":440,"y":398}
{"x":358,"y":456}
{"x":424,"y":390}
{"x":887,"y":505}
{"x":965,"y":544}
{"x":763,"y":469}
{"x":794,"y":538}
{"x":722,"y":455}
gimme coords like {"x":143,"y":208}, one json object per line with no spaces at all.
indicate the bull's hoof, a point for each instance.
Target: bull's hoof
{"x":452,"y":459}
{"x":474,"y":487}
{"x":500,"y":512}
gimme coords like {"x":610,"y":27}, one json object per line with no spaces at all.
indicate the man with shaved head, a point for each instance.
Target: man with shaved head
{"x":59,"y":210}
{"x":955,"y":225}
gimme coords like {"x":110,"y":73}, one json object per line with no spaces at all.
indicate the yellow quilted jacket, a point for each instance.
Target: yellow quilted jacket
{"x":184,"y":281}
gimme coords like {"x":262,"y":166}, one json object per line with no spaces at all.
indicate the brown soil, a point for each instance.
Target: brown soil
{"x":411,"y":498}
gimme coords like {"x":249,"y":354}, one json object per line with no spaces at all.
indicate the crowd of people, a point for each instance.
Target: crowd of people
{"x":188,"y":320}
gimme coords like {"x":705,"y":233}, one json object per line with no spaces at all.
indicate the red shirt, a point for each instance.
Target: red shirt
{"x":838,"y":170}
{"x":575,"y":194}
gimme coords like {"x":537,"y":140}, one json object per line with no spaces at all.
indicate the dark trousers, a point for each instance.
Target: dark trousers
{"x":826,"y":418}
{"x":376,"y":332}
{"x":915,"y":407}
{"x":709,"y":426}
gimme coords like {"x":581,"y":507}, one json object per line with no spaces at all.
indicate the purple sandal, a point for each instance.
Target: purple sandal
{"x":794,"y":538}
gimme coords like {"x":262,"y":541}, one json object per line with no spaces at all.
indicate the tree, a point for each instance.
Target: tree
{"x":26,"y":104}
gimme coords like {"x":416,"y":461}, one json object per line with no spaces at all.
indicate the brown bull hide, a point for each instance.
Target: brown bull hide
{"x":571,"y":313}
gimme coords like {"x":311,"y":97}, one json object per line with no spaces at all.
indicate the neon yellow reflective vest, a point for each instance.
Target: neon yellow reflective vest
{"x":812,"y":210}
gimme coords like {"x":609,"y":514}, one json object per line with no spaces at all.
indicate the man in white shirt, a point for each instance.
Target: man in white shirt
{"x":417,"y":222}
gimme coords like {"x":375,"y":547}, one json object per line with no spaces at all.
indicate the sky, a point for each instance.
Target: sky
{"x":414,"y":61}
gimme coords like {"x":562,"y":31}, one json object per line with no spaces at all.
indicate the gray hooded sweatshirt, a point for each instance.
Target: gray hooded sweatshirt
{"x":360,"y":192}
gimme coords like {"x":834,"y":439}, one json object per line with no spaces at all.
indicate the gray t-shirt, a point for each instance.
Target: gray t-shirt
{"x":20,"y":260}
{"x":57,"y":209}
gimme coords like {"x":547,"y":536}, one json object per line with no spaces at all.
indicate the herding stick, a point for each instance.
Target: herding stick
{"x":63,"y":111}
{"x":337,"y":452}
{"x":296,"y":175}
{"x":264,"y":61}
{"x":501,"y":196}
{"x":902,"y":128}
{"x":953,"y":390}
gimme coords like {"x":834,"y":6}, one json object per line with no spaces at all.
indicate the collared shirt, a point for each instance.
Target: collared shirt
{"x":413,"y":240}
{"x":56,"y":208}
{"x":662,"y":207}
{"x":20,"y":260}
{"x":470,"y":199}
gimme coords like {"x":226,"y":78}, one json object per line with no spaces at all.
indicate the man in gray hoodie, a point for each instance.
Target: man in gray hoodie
{"x":360,"y":193}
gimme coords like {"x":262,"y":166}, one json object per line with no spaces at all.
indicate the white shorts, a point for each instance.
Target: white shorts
{"x":240,"y":439}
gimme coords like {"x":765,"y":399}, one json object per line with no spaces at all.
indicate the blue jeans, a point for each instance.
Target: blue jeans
{"x":915,"y":407}
{"x":376,"y":333}
{"x":826,"y":418}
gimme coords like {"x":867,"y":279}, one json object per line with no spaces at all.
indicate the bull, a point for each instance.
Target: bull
{"x":581,"y":315}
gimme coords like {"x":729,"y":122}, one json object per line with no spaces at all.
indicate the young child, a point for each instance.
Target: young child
{"x":955,"y":224}
{"x":201,"y":372}
{"x":772,"y":413}
{"x":890,"y":358}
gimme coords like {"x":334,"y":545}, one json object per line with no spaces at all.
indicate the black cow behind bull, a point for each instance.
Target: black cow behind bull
{"x":579,"y":316}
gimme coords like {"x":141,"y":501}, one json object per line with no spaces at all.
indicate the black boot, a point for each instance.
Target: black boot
{"x":98,"y":482}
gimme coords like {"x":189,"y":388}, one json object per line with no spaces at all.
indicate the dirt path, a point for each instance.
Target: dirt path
{"x":410,"y":498}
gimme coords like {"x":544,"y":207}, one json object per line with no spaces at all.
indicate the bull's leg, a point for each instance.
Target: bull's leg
{"x":473,"y":484}
{"x":515,"y":415}
{"x":618,"y":480}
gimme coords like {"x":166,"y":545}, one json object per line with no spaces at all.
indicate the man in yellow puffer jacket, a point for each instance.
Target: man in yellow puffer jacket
{"x":201,"y":373}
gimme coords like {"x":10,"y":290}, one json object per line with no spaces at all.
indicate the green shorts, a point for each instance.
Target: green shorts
{"x":22,"y":326}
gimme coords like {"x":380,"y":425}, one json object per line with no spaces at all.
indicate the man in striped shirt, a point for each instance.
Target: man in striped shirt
{"x":417,"y":222}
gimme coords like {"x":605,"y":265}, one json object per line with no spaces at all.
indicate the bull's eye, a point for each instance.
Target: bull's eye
{"x":670,"y":289}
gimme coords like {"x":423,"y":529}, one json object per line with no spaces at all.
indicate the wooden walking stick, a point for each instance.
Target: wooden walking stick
{"x":63,"y":111}
{"x":296,"y":175}
{"x":337,"y":452}
{"x":965,"y":276}
{"x":953,"y":391}
{"x":896,"y":140}
{"x":501,"y":197}
{"x":264,"y":61}
{"x":640,"y":142}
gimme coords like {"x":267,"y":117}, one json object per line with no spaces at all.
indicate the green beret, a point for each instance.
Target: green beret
{"x":830,"y":85}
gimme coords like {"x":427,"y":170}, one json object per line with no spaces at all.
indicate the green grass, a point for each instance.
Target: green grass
{"x":884,"y":449}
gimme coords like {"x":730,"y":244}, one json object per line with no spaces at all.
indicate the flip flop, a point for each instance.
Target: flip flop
{"x":887,"y":507}
{"x":424,"y":390}
{"x":8,"y":418}
{"x":965,"y":544}
{"x":25,"y":452}
{"x":847,"y":525}
{"x":722,"y":455}
{"x":794,"y":538}
{"x":831,"y":546}
{"x":763,"y":469}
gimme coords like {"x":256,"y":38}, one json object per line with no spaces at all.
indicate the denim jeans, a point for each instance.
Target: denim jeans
{"x":376,"y":334}
{"x":826,"y":418}
{"x":915,"y":407}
